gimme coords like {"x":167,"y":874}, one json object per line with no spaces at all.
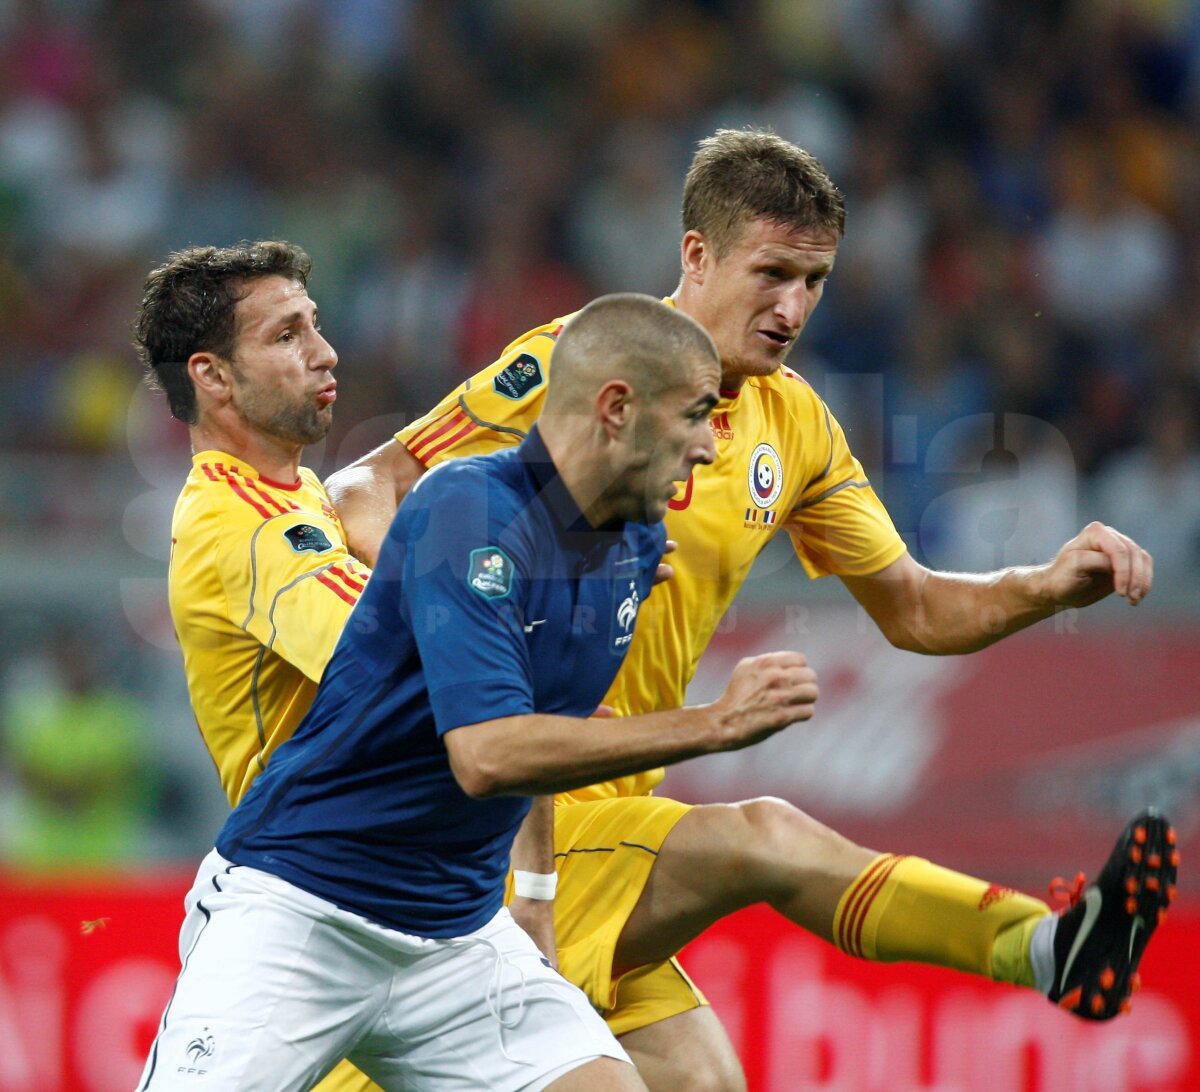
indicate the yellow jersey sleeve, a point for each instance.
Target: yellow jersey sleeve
{"x":297,"y":583}
{"x":493,"y":409}
{"x":840,"y":526}
{"x":260,"y":586}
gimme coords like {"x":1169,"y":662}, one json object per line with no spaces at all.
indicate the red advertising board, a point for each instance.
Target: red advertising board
{"x":85,"y":972}
{"x":1016,"y":764}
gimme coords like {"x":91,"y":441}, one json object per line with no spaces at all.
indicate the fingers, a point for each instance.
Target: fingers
{"x":784,"y":681}
{"x":663,"y":573}
{"x":604,"y":711}
{"x":1131,"y":566}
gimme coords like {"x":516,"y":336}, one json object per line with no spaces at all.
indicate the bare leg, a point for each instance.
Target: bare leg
{"x":601,"y":1075}
{"x":721,"y":857}
{"x":689,"y":1051}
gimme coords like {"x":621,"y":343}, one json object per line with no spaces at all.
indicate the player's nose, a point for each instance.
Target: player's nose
{"x":326,"y":356}
{"x":704,"y":450}
{"x":792,"y":307}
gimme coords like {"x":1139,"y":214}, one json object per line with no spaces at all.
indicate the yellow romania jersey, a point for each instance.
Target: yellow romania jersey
{"x":782,"y":464}
{"x":260,"y":587}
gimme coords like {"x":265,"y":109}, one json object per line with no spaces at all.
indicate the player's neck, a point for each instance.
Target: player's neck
{"x":575,"y":461}
{"x":272,"y":458}
{"x":731,"y":381}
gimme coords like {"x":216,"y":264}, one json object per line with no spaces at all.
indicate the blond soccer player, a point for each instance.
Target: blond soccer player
{"x":639,"y":875}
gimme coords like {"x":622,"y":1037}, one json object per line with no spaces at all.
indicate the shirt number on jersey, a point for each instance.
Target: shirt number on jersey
{"x":678,"y":504}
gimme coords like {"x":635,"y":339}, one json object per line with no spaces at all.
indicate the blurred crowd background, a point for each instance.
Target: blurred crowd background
{"x":1011,"y":336}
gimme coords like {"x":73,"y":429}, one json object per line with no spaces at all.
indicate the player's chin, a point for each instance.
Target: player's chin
{"x":654,"y":509}
{"x":315,"y":430}
{"x":764,"y":362}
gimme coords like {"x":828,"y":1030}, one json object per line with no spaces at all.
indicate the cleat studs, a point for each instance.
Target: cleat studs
{"x":1152,"y":883}
{"x":1139,"y":835}
{"x":1174,"y":858}
{"x":1131,"y":905}
{"x":1170,"y":892}
{"x":1097,"y":1004}
{"x":1135,"y":854}
{"x":1126,"y":1006}
{"x":1162,"y":914}
{"x":1070,"y":1001}
{"x":1107,"y":978}
{"x":1154,"y":861}
{"x":1171,"y":836}
{"x":1131,"y":885}
{"x":1135,"y":982}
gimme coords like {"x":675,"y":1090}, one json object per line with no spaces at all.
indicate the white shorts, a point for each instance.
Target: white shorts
{"x":278,"y":985}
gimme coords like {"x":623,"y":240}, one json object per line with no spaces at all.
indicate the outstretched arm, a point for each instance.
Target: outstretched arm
{"x":941,"y":613}
{"x":367,"y":493}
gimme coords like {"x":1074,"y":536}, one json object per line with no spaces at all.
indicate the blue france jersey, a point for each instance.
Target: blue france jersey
{"x":492,"y":597}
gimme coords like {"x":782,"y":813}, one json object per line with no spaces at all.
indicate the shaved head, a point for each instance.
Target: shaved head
{"x":625,"y":336}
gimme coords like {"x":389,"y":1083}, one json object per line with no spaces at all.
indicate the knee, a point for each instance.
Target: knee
{"x":725,"y":1078}
{"x":695,"y":1066}
{"x":772,"y":822}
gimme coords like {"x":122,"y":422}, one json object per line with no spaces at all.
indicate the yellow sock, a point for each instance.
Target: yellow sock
{"x":905,"y":908}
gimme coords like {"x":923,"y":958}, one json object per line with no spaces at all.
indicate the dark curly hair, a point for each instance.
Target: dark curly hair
{"x":188,"y":307}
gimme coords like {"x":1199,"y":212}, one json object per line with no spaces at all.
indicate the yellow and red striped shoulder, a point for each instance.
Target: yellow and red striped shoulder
{"x":439,"y":433}
{"x":346,"y":580}
{"x":260,"y":494}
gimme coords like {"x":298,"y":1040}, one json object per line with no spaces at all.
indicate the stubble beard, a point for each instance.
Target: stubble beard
{"x":300,"y":424}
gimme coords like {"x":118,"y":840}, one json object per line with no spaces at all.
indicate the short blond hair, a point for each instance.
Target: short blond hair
{"x":738,"y":175}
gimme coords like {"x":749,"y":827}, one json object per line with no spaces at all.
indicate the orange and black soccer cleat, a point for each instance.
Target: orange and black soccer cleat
{"x":1101,"y":935}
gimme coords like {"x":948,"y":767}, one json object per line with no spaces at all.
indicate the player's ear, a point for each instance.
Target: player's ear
{"x":614,"y":406}
{"x":694,"y":255}
{"x":211,"y":376}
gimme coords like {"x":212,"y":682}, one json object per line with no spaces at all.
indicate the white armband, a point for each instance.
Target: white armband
{"x":534,"y":885}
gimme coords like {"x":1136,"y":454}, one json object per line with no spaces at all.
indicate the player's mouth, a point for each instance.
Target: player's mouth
{"x":326,"y":396}
{"x":776,"y":339}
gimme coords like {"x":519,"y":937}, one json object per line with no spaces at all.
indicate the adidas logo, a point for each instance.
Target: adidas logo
{"x":994,"y":894}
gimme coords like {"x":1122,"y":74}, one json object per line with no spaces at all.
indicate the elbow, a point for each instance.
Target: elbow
{"x":906,"y":641}
{"x":477,"y":775}
{"x":477,"y":784}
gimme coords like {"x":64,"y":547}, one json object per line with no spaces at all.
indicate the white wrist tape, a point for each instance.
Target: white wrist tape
{"x":534,"y":885}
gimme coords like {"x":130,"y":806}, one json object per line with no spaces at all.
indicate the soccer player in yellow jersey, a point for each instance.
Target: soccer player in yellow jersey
{"x":260,"y":583}
{"x":762,"y":223}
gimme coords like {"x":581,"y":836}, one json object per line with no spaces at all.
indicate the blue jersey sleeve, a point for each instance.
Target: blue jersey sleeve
{"x":468,"y":559}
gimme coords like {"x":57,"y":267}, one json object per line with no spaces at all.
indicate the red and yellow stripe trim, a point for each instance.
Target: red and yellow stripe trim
{"x":856,"y":904}
{"x":440,"y":434}
{"x":249,"y":490}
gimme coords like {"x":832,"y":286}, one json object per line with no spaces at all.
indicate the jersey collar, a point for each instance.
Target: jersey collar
{"x":536,"y":458}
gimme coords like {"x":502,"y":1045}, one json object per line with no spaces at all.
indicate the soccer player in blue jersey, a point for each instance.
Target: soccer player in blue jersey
{"x":353,"y":904}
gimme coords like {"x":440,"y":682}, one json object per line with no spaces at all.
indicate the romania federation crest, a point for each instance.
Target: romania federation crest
{"x":766,"y":476}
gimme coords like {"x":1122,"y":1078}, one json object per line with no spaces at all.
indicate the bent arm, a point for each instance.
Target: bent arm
{"x":367,"y":493}
{"x":536,"y":753}
{"x":540,"y":753}
{"x":941,"y":613}
{"x":920,"y":610}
